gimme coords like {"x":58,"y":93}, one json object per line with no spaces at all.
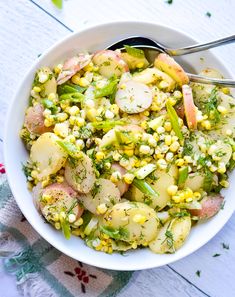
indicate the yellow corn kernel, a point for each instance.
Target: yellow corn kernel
{"x":168,"y":126}
{"x":45,"y":182}
{"x":61,"y":129}
{"x":76,"y":232}
{"x":226,"y":91}
{"x":58,"y":68}
{"x":197,"y":195}
{"x":99,"y":156}
{"x":221,"y":109}
{"x":146,"y":113}
{"x":188,"y":193}
{"x":161,"y":163}
{"x":98,"y":248}
{"x":114,"y":108}
{"x":105,"y":236}
{"x":177,"y":94}
{"x":140,"y":65}
{"x":168,"y":140}
{"x":188,"y":159}
{"x":159,"y":156}
{"x":88,"y":67}
{"x":155,"y":107}
{"x":46,"y":198}
{"x":139,"y":218}
{"x":115,"y":177}
{"x":129,"y":152}
{"x":48,"y":123}
{"x":221,"y":167}
{"x":52,"y":96}
{"x":144,"y":125}
{"x":213,"y":168}
{"x":83,"y":82}
{"x":224,"y":183}
{"x":75,"y":79}
{"x":79,"y":222}
{"x":128,"y":178}
{"x":37,"y":89}
{"x":163,"y":84}
{"x":179,"y":162}
{"x":190,"y":199}
{"x":110,"y":250}
{"x":116,"y":156}
{"x":172,"y":190}
{"x":61,"y":117}
{"x":206,"y":124}
{"x":172,"y":101}
{"x":174,"y":146}
{"x":57,"y":225}
{"x":101,"y":208}
{"x":177,"y":199}
{"x":74,"y":110}
{"x":34,"y":173}
{"x":134,"y":245}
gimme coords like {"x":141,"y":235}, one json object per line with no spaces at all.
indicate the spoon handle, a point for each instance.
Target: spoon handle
{"x":212,"y":81}
{"x":200,"y":47}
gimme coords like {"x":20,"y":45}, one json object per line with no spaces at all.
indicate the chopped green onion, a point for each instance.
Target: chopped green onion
{"x":91,"y":226}
{"x":183,"y":175}
{"x":144,"y":171}
{"x":49,"y":105}
{"x":135,"y":52}
{"x":70,"y":148}
{"x":207,"y":183}
{"x":174,"y":120}
{"x":69,"y":88}
{"x":107,"y":124}
{"x":108,"y":89}
{"x":144,"y":187}
{"x":73,"y":97}
{"x":119,"y":234}
{"x":65,"y":228}
{"x":58,"y":3}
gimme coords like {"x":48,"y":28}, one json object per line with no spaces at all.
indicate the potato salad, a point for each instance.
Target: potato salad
{"x":126,"y":154}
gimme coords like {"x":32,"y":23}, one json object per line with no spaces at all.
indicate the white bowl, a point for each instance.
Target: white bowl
{"x":15,"y":153}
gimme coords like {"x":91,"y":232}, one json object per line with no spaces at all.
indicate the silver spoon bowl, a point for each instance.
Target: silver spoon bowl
{"x":152,"y":48}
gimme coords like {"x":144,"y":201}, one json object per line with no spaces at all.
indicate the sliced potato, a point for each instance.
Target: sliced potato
{"x":209,"y":207}
{"x":135,"y":221}
{"x":122,"y":186}
{"x":167,"y":64}
{"x":133,"y":97}
{"x":194,"y":181}
{"x":110,"y":63}
{"x":48,"y":156}
{"x":80,"y":174}
{"x":152,"y":75}
{"x":50,"y":85}
{"x":164,"y":180}
{"x":223,"y":151}
{"x":134,"y":62}
{"x":171,"y":236}
{"x":62,"y":198}
{"x":102,"y":192}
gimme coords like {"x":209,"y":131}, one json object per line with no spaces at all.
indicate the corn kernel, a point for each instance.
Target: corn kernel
{"x":134,"y":245}
{"x":129,"y":152}
{"x":197,"y":195}
{"x":176,"y":198}
{"x":224,"y":183}
{"x":139,"y":218}
{"x":110,"y":250}
{"x":188,"y":159}
{"x":206,"y":124}
{"x":179,"y":162}
{"x":115,"y":177}
{"x":101,"y":208}
{"x":190,"y":199}
{"x":160,"y":130}
{"x":128,"y":178}
{"x":168,"y":126}
{"x":57,"y":226}
{"x":114,"y":108}
{"x":144,"y":124}
{"x":229,"y":132}
{"x":174,"y":146}
{"x":61,"y":129}
{"x":226,"y":91}
{"x":161,"y":163}
{"x":34,"y":173}
{"x":58,"y":68}
{"x":144,"y":149}
{"x":72,"y":218}
{"x":163,"y":84}
{"x":169,"y":156}
{"x":221,"y":167}
{"x":37,"y":89}
{"x":99,"y":156}
{"x":59,"y":179}
{"x":61,"y":117}
{"x":168,"y":140}
{"x":79,"y":222}
{"x":83,"y":82}
{"x":172,"y":101}
{"x":88,"y":67}
{"x":213,"y":168}
{"x":109,"y":114}
{"x":74,"y":110}
{"x":140,"y":65}
{"x":48,"y":123}
{"x":221,"y":109}
{"x":52,"y":96}
{"x":76,"y":79}
{"x":177,"y":94}
{"x":116,"y":156}
{"x":172,"y":190}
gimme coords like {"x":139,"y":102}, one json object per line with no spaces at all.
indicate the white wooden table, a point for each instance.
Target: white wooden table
{"x":28,"y":27}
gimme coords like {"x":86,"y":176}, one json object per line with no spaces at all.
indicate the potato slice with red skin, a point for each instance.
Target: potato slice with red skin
{"x":62,"y":198}
{"x":122,"y":186}
{"x":167,"y":64}
{"x":110,"y":63}
{"x":189,"y":107}
{"x":34,"y":120}
{"x":80,"y":174}
{"x":134,"y":97}
{"x":72,"y":66}
{"x":210,"y":206}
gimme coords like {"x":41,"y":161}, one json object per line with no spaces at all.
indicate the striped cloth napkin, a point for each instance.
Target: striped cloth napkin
{"x":41,"y":270}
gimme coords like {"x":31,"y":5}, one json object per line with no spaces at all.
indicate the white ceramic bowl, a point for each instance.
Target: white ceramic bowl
{"x":15,"y":154}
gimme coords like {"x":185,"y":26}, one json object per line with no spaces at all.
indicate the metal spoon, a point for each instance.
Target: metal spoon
{"x":150,"y":45}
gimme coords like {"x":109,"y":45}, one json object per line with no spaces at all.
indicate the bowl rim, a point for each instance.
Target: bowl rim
{"x":11,"y":180}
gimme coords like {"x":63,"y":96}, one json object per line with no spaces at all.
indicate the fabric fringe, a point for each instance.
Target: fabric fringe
{"x":8,"y":245}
